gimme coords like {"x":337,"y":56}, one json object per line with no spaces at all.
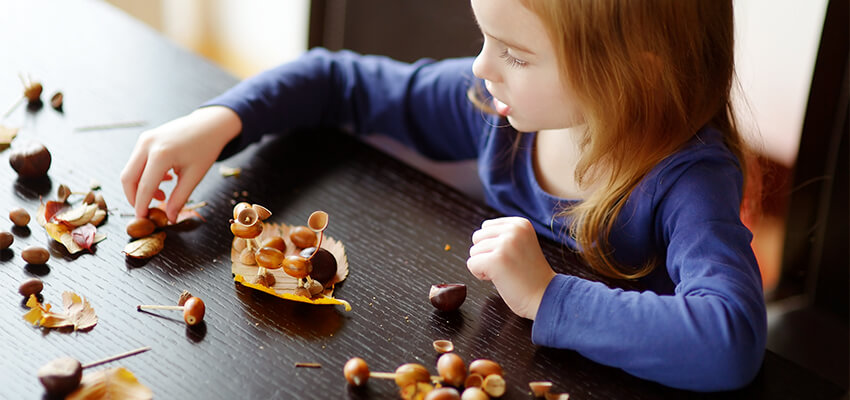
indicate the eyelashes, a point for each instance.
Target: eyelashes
{"x":512,"y":61}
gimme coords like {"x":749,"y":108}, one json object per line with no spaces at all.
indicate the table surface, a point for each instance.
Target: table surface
{"x":393,"y":220}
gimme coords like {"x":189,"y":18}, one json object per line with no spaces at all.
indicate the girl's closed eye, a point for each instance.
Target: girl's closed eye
{"x":511,"y":60}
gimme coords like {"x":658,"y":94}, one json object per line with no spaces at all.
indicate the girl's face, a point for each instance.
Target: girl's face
{"x":520,"y":68}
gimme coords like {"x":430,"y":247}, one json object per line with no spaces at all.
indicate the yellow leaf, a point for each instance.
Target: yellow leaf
{"x":6,"y":136}
{"x":145,"y":247}
{"x":112,"y":383}
{"x":78,"y":313}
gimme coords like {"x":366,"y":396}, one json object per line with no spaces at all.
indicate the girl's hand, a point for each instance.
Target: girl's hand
{"x":188,"y":146}
{"x":506,"y":252}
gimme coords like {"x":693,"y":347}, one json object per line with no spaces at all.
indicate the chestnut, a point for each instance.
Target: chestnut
{"x":60,"y":376}
{"x":447,"y":296}
{"x":30,"y":160}
{"x":324,"y":264}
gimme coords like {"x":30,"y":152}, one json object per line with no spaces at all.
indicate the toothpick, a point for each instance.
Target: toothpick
{"x":116,"y":357}
{"x":115,"y":125}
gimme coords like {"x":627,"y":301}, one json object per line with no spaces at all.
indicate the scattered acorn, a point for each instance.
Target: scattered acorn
{"x":62,"y":193}
{"x":356,"y":371}
{"x":447,"y":296}
{"x":193,"y":310}
{"x":140,"y":227}
{"x":324,"y":265}
{"x":56,"y":101}
{"x":35,"y":255}
{"x":452,"y":369}
{"x":443,"y":393}
{"x":30,"y":160}
{"x":157,"y":216}
{"x":30,"y":287}
{"x":6,"y":240}
{"x":19,"y":217}
{"x":32,"y":92}
{"x":474,"y":393}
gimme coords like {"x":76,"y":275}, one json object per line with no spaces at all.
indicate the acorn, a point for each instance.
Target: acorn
{"x":296,"y":266}
{"x":247,"y":224}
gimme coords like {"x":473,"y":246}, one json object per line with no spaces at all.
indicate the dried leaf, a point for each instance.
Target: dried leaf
{"x":145,"y":247}
{"x":46,"y":211}
{"x":6,"y":136}
{"x":112,"y":383}
{"x":78,"y":313}
{"x":84,"y":236}
{"x":77,"y":216}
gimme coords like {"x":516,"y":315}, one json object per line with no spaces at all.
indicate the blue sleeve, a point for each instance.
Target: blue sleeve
{"x":710,"y":333}
{"x":423,"y":105}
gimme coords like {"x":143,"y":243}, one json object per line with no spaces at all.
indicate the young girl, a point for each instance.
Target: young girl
{"x":612,"y":131}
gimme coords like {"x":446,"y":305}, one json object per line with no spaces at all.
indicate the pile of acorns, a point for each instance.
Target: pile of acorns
{"x":314,"y":267}
{"x":482,"y":380}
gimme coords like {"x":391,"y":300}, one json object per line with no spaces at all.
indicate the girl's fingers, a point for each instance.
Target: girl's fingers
{"x":186,"y":182}
{"x":478,"y":266}
{"x":502,"y":221}
{"x":149,"y":183}
{"x":481,"y":247}
{"x":132,"y":172}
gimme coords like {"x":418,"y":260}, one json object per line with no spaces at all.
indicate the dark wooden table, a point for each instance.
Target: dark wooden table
{"x":393,"y":220}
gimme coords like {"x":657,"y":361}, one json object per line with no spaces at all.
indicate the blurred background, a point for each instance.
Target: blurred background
{"x":778,"y":42}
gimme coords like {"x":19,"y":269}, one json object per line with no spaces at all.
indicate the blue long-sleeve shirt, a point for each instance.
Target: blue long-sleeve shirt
{"x":701,"y":324}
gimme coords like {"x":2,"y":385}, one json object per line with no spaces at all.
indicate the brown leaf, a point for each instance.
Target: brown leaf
{"x":145,"y":247}
{"x":112,"y":383}
{"x":78,"y":313}
{"x":6,"y":136}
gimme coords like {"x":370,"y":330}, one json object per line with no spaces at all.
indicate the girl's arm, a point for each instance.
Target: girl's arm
{"x":710,"y":334}
{"x":423,"y":105}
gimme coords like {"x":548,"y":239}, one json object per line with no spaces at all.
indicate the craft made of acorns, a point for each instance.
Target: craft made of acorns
{"x":295,"y":262}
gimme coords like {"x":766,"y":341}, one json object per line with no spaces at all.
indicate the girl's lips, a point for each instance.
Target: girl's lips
{"x":501,"y":108}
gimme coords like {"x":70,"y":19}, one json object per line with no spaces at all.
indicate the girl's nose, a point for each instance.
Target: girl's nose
{"x":482,"y":66}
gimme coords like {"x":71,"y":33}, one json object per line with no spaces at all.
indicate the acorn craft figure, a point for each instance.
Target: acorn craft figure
{"x":291,"y":262}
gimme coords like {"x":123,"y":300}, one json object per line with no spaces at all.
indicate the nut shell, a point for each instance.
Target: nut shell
{"x":35,"y":255}
{"x":30,"y":160}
